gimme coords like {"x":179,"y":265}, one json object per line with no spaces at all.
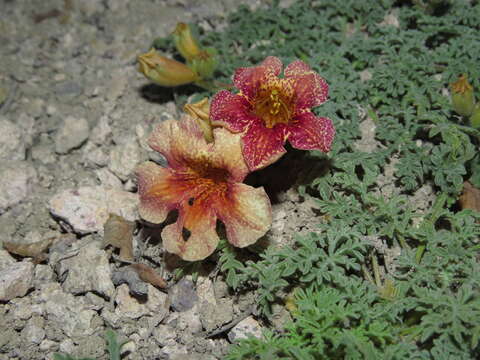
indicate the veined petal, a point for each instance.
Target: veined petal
{"x":175,"y":139}
{"x":156,"y":197}
{"x":200,"y":221}
{"x":231,"y":111}
{"x":248,"y":79}
{"x":263,"y":146}
{"x":247,"y":216}
{"x":309,"y":132}
{"x":227,"y":154}
{"x":310,"y":88}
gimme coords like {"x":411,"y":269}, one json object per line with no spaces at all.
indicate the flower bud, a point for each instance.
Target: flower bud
{"x":205,"y":63}
{"x":475,"y":118}
{"x":165,"y":71}
{"x":463,"y":100}
{"x":200,"y":111}
{"x":185,"y":43}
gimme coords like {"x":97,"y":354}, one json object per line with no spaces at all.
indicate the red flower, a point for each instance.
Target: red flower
{"x":204,"y":183}
{"x":268,"y":110}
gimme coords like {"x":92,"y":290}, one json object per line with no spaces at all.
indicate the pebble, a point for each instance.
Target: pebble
{"x":5,"y":259}
{"x":245,"y":328}
{"x":214,"y":316}
{"x":16,"y":178}
{"x":124,"y":158}
{"x":182,"y":295}
{"x":87,"y":209}
{"x":72,"y":134}
{"x":34,"y":331}
{"x":11,"y":145}
{"x":88,"y":271}
{"x":129,"y":306}
{"x":16,"y":280}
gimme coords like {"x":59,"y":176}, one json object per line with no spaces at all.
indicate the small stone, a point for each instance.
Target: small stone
{"x":129,"y":276}
{"x":129,"y":306}
{"x":16,"y":178}
{"x":5,"y":259}
{"x":67,"y":346}
{"x":214,"y":316}
{"x":101,"y":131}
{"x":71,"y":135}
{"x":94,"y":156}
{"x":124,"y":158}
{"x":87,"y":209}
{"x":33,"y":332}
{"x":108,"y":179}
{"x":205,"y":290}
{"x":43,"y":274}
{"x":175,"y":349}
{"x":46,"y":345}
{"x":163,"y":334}
{"x":245,"y":328}
{"x":182,"y":295}
{"x":88,"y":271}
{"x":16,"y":280}
{"x":189,"y":321}
{"x":66,"y":312}
{"x":11,"y":145}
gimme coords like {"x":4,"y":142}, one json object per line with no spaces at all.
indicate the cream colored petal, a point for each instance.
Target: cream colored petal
{"x":152,"y":207}
{"x":247,"y":216}
{"x":203,"y":239}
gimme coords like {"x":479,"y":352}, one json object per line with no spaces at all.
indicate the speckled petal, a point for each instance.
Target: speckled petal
{"x":231,"y":111}
{"x":153,"y":189}
{"x":310,"y":88}
{"x":203,"y":240}
{"x":309,"y":132}
{"x":248,"y":79}
{"x":262,"y":146}
{"x":247,"y":216}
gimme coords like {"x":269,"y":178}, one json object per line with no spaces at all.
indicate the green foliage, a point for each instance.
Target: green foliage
{"x":113,"y":348}
{"x":432,"y":305}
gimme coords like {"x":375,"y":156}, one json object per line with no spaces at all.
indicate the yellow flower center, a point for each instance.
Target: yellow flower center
{"x":272,"y":106}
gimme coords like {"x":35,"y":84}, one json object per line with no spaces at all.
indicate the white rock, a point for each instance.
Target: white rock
{"x":205,"y":290}
{"x":67,"y":346}
{"x":189,"y":321}
{"x":124,"y":158}
{"x":46,"y":345}
{"x":129,"y":306}
{"x":16,"y":178}
{"x":88,"y":271}
{"x":108,"y":179}
{"x":16,"y":280}
{"x":245,"y":328}
{"x":11,"y":145}
{"x":88,"y":208}
{"x":34,"y":332}
{"x":163,"y":334}
{"x":101,"y":131}
{"x":67,"y":312}
{"x":72,"y":134}
{"x":5,"y":259}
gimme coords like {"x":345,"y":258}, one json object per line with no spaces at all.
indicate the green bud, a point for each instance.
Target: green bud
{"x":475,"y":118}
{"x":463,"y":100}
{"x":205,"y":63}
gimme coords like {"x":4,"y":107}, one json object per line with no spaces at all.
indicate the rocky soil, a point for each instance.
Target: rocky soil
{"x":74,"y":117}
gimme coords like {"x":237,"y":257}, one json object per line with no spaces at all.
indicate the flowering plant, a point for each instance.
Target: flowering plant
{"x":268,"y":110}
{"x":203,"y":182}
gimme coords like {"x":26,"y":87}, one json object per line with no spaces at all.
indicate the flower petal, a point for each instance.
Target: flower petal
{"x":227,"y":154}
{"x":310,"y":88}
{"x":175,"y":139}
{"x":247,"y":216}
{"x":153,"y":189}
{"x":263,"y":146}
{"x":231,"y":111}
{"x":200,"y":221}
{"x":309,"y":132}
{"x":248,"y":79}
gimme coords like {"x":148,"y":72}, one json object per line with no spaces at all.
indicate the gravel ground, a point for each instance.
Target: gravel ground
{"x":74,"y":117}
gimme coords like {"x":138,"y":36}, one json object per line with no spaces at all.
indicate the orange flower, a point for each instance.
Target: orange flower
{"x":268,"y":110}
{"x":204,"y":183}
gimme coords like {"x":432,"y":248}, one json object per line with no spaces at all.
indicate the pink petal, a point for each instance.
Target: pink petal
{"x":263,"y":146}
{"x":231,"y":111}
{"x":309,"y":132}
{"x":247,"y":215}
{"x":203,"y":239}
{"x":297,"y":68}
{"x":311,"y":90}
{"x":248,"y":79}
